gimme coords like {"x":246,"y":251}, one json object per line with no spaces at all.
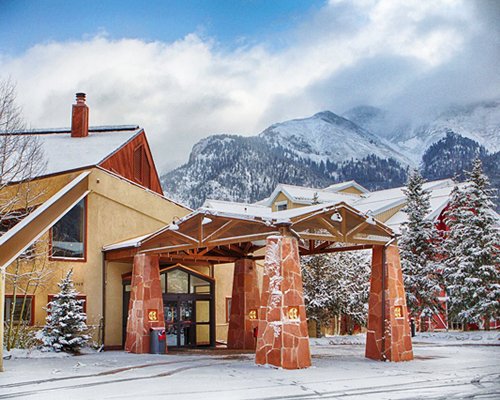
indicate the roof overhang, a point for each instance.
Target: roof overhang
{"x":218,"y":236}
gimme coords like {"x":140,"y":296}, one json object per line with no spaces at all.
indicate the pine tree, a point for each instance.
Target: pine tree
{"x":318,"y":278}
{"x":472,"y":253}
{"x":418,"y":248}
{"x":65,"y":324}
{"x":336,"y":284}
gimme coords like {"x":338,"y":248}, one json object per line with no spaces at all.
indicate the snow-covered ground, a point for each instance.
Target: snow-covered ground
{"x":445,"y":367}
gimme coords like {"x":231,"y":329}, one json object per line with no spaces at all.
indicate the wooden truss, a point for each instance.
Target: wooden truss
{"x":215,"y":237}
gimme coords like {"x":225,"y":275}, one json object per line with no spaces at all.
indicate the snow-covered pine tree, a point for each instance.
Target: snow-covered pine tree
{"x":65,"y":325}
{"x":334,"y":285}
{"x":318,"y":278}
{"x":419,"y":248}
{"x":472,"y":254}
{"x":353,"y":285}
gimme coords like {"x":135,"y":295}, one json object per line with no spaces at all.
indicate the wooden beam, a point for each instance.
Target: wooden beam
{"x":358,"y":228}
{"x":32,"y":227}
{"x":240,"y":239}
{"x":120,"y":254}
{"x":219,"y":231}
{"x":330,"y":227}
{"x":339,"y":249}
{"x":184,"y":236}
{"x":318,"y":236}
{"x":343,"y":224}
{"x":167,"y":257}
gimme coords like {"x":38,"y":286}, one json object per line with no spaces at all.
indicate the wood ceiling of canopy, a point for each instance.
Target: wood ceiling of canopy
{"x":215,"y":237}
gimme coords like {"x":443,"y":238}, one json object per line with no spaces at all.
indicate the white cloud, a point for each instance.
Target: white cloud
{"x":182,"y":91}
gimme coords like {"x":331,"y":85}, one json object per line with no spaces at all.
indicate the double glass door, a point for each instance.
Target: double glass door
{"x":187,"y":321}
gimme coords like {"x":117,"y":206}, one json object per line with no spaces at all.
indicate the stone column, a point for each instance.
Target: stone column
{"x":388,"y":337}
{"x":283,"y":340}
{"x":245,"y":303}
{"x":146,"y":303}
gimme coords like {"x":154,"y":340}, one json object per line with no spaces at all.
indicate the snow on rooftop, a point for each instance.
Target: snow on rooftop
{"x":64,"y":153}
{"x":237,"y":208}
{"x":134,"y":242}
{"x":344,"y":185}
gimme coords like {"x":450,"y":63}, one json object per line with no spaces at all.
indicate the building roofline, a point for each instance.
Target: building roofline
{"x":56,"y":131}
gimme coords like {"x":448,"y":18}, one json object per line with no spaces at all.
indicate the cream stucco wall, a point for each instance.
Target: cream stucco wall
{"x":223,"y":274}
{"x":351,"y":190}
{"x":116,"y":210}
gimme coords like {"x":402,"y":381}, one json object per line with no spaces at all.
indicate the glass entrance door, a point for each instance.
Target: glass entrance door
{"x":179,"y":322}
{"x":189,"y":309}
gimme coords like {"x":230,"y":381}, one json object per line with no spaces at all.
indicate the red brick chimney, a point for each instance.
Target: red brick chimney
{"x":80,"y":117}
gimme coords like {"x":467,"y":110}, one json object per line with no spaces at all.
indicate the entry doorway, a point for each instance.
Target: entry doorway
{"x":189,"y":307}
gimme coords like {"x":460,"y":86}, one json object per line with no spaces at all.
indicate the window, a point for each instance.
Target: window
{"x":228,"y":308}
{"x":68,"y":234}
{"x":199,"y":286}
{"x":27,"y":313}
{"x":177,"y":281}
{"x":281,"y":205}
{"x":142,"y":169}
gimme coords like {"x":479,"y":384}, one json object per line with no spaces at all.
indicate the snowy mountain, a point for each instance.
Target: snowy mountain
{"x":365,"y":144}
{"x":478,"y":121}
{"x":327,"y":136}
{"x":315,"y":151}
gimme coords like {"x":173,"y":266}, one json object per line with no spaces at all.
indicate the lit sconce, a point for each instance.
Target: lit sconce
{"x":336,"y":217}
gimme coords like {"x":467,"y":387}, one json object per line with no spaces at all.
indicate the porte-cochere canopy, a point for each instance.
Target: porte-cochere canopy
{"x":277,"y":315}
{"x":227,"y":235}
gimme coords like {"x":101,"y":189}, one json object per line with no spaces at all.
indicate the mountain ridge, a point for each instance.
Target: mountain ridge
{"x":327,"y":148}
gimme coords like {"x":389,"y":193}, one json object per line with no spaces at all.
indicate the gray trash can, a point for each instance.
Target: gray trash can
{"x":157,"y":341}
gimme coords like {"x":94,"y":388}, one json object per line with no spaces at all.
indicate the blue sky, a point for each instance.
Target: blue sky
{"x":187,"y":69}
{"x":230,"y":23}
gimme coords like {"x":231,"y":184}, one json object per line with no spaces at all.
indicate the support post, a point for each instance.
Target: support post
{"x":245,"y":303}
{"x":282,"y":339}
{"x":146,"y":303}
{"x":388,"y":337}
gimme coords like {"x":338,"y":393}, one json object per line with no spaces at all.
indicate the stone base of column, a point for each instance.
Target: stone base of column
{"x":283,"y":339}
{"x":146,"y":303}
{"x":388,"y":337}
{"x":245,"y":303}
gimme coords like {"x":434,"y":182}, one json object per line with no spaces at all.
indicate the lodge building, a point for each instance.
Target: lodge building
{"x":210,"y":276}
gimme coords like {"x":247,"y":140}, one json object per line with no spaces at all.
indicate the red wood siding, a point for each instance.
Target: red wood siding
{"x":125,"y":163}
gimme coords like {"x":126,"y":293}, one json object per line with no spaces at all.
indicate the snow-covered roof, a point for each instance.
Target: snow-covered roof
{"x":438,"y":201}
{"x":65,"y":153}
{"x":133,"y":242}
{"x":237,"y":208}
{"x":305,"y":195}
{"x":336,"y":187}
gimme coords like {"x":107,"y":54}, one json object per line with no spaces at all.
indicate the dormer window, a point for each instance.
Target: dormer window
{"x":142,"y":168}
{"x":281,"y":205}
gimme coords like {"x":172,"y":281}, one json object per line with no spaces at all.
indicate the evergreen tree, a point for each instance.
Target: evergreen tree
{"x":418,"y":248}
{"x":336,"y":284}
{"x":65,"y":325}
{"x":472,"y":253}
{"x":353,"y":286}
{"x":319,"y":280}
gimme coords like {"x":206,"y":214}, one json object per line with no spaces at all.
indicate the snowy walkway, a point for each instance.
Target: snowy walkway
{"x":443,"y":369}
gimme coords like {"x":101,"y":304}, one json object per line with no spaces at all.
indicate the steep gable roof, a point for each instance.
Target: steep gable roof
{"x":65,"y":153}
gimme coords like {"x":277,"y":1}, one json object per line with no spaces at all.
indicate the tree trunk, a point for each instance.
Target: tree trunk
{"x":486,"y":322}
{"x":318,"y":329}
